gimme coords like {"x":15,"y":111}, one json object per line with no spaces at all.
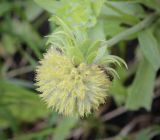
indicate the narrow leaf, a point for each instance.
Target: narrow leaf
{"x":63,"y":129}
{"x":149,"y":47}
{"x":141,"y":91}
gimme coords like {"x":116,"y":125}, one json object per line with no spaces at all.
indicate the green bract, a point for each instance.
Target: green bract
{"x":80,"y":48}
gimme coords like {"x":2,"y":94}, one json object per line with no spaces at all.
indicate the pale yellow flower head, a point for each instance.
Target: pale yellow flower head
{"x":72,"y":75}
{"x":69,"y":89}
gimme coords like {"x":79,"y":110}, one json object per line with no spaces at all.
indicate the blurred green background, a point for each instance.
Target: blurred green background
{"x":132,"y":112}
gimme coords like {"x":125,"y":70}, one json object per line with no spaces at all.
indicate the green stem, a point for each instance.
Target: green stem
{"x":123,"y":35}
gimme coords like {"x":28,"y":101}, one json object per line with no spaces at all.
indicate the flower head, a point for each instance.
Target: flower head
{"x":69,"y":89}
{"x":71,"y":76}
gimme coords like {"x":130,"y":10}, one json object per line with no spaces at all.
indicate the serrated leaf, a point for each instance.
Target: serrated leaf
{"x":149,"y":47}
{"x":141,"y":91}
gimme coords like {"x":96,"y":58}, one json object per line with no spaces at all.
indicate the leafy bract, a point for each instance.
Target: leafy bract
{"x":74,"y":12}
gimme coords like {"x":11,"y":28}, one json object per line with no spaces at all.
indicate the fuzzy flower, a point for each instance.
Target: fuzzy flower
{"x":69,"y":89}
{"x":72,"y":75}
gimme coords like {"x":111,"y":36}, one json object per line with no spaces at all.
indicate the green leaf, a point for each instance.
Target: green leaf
{"x":127,"y":8}
{"x":100,"y":53}
{"x":24,"y":105}
{"x":9,"y":44}
{"x":49,"y":5}
{"x":91,"y":57}
{"x":75,"y":54}
{"x":32,"y":11}
{"x":25,"y":32}
{"x":154,"y":4}
{"x":148,"y":133}
{"x":157,"y":33}
{"x":74,"y":13}
{"x":122,"y":11}
{"x":6,"y":114}
{"x":118,"y":91}
{"x":63,"y":129}
{"x":97,"y":4}
{"x":60,"y":132}
{"x":84,"y":46}
{"x":34,"y":135}
{"x":94,"y":47}
{"x":117,"y":88}
{"x":95,"y":52}
{"x":149,"y":47}
{"x":143,"y":135}
{"x":97,"y":32}
{"x":112,"y":27}
{"x":5,"y":7}
{"x":141,"y":91}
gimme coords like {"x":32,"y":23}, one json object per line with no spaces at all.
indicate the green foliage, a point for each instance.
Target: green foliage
{"x":74,"y":12}
{"x":141,"y":91}
{"x":63,"y":129}
{"x":96,"y":29}
{"x":20,"y":103}
{"x":5,"y":7}
{"x":60,"y":132}
{"x":146,"y":72}
{"x":152,"y":54}
{"x":148,"y":133}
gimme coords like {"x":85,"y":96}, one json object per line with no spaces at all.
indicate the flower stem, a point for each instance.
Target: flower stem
{"x":123,"y":35}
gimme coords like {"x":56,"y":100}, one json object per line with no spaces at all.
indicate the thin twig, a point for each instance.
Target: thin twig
{"x":19,"y":71}
{"x":113,"y":114}
{"x":129,"y":127}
